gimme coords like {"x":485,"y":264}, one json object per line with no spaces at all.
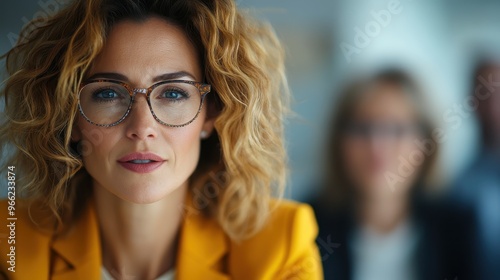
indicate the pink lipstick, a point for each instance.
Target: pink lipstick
{"x":141,"y":162}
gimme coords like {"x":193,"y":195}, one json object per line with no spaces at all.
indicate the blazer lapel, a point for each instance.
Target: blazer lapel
{"x":79,"y":249}
{"x":203,"y":247}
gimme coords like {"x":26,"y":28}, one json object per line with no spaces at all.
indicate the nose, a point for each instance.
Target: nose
{"x":380,"y":145}
{"x":140,"y":123}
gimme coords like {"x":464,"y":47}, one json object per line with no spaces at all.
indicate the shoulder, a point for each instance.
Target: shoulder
{"x":26,"y":220}
{"x":446,"y":228}
{"x":291,"y":224}
{"x":287,"y":243}
{"x":22,"y":243}
{"x":291,"y":214}
{"x":291,"y":220}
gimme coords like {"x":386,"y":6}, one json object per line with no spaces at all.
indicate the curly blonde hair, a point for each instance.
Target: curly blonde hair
{"x":242,"y":60}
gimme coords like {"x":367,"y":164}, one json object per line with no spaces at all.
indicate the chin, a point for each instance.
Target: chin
{"x":144,"y":194}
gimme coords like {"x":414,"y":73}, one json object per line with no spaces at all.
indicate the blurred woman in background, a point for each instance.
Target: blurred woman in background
{"x":375,"y":221}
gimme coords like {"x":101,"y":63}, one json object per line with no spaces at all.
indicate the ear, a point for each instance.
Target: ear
{"x":210,"y":117}
{"x":208,"y":126}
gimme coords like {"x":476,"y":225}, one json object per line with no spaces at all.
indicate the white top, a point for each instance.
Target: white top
{"x":384,"y":256}
{"x":169,"y":275}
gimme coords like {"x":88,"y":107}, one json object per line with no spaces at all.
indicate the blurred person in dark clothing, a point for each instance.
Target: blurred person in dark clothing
{"x":376,"y":217}
{"x":478,"y":187}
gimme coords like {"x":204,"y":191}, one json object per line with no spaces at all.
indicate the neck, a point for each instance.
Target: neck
{"x":138,"y":239}
{"x":382,"y":216}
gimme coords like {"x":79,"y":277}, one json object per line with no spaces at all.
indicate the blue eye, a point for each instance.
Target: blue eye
{"x":106,"y":94}
{"x":174,"y":95}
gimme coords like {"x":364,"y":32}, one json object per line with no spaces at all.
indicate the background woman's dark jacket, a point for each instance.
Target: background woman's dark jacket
{"x":443,"y":251}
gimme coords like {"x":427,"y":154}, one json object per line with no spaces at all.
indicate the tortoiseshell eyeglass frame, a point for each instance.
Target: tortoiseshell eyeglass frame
{"x":203,"y":88}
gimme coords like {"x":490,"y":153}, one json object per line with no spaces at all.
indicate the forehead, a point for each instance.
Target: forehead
{"x":386,"y":102}
{"x":142,"y":50}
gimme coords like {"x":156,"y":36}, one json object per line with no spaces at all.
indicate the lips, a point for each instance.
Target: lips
{"x":141,"y":162}
{"x":141,"y":156}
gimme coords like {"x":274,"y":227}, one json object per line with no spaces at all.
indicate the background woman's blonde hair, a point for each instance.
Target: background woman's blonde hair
{"x":242,"y":60}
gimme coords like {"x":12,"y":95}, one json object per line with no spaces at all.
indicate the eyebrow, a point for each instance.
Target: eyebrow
{"x":159,"y":78}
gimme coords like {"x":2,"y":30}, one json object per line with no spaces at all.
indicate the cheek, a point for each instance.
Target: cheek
{"x":185,"y":145}
{"x":96,"y":144}
{"x":406,"y":148}
{"x":351,"y":155}
{"x":409,"y":157}
{"x":353,"y":159}
{"x":358,"y":155}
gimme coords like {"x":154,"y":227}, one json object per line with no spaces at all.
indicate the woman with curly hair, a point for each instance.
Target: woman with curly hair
{"x":148,"y":142}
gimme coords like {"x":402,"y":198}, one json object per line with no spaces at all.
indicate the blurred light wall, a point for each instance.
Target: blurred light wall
{"x":437,"y":41}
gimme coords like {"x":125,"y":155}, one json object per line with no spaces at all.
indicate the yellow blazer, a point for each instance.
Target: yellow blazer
{"x":284,"y":249}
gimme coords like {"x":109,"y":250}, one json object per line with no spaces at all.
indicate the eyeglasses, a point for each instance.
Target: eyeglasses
{"x":173,"y":103}
{"x":366,"y":130}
